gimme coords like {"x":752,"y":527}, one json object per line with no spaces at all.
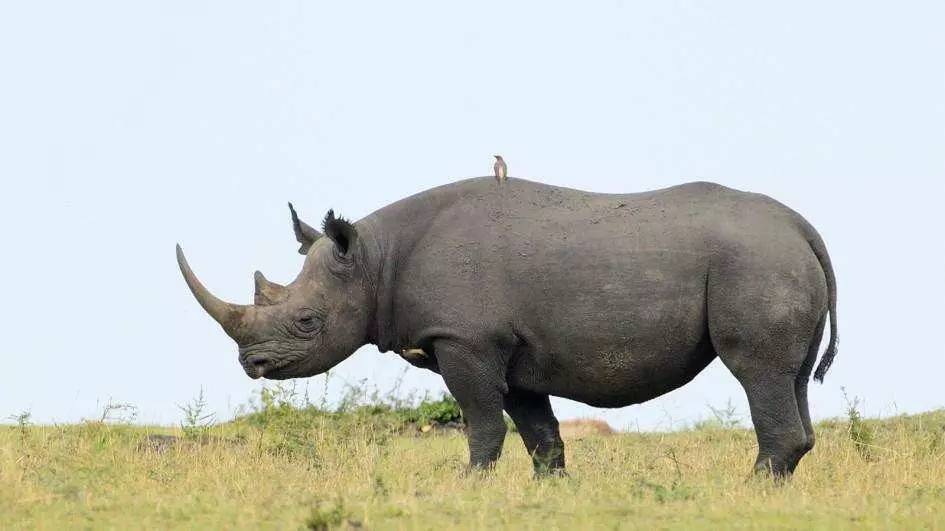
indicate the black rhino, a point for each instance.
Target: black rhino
{"x":519,"y":290}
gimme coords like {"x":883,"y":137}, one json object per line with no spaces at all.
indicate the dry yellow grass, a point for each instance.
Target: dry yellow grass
{"x":341,"y":473}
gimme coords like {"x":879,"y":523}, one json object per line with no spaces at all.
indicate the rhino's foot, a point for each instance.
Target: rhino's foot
{"x":544,"y":473}
{"x":769,"y":468}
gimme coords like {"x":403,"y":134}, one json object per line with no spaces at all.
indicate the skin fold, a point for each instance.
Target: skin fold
{"x":519,"y":291}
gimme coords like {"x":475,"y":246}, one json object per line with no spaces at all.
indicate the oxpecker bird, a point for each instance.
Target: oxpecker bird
{"x":501,"y":170}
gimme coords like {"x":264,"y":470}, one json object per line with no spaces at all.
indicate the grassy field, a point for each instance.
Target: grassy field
{"x":288,"y":467}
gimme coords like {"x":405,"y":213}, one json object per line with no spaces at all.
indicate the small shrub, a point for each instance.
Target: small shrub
{"x":294,"y":444}
{"x":197,"y":422}
{"x":120,"y":412}
{"x":23,"y":423}
{"x":326,"y":516}
{"x":676,"y":491}
{"x":936,"y":439}
{"x":723,"y":418}
{"x":444,"y":410}
{"x":727,"y":416}
{"x":860,"y":432}
{"x":380,"y":486}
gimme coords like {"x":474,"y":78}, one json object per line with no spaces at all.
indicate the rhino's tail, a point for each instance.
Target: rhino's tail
{"x":820,"y":251}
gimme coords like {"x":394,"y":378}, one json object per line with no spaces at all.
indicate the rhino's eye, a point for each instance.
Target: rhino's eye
{"x":308,"y":321}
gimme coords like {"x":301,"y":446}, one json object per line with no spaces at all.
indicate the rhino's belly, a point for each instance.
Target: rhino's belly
{"x":613,"y":377}
{"x":616,"y":351}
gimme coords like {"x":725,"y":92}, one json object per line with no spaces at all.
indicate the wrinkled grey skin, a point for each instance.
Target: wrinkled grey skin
{"x":520,"y":290}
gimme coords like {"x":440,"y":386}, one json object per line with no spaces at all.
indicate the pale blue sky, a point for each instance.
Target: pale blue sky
{"x":128,"y":126}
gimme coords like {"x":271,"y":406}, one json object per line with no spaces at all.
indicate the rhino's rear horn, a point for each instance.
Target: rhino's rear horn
{"x":268,"y":293}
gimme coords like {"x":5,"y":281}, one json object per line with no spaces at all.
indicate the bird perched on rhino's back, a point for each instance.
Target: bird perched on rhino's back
{"x":500,"y":168}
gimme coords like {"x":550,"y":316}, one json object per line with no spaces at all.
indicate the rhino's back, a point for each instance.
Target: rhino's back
{"x":563,"y":220}
{"x":523,"y":245}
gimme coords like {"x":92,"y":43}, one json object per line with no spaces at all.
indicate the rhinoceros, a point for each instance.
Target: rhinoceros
{"x":517,"y":291}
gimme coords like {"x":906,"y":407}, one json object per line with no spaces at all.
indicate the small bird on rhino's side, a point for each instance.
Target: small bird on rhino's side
{"x":501,"y":169}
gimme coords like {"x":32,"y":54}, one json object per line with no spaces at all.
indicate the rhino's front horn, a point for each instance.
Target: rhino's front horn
{"x":268,"y":292}
{"x":228,"y":315}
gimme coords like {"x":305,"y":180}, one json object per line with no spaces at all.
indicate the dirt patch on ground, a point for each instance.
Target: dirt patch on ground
{"x":577,"y":428}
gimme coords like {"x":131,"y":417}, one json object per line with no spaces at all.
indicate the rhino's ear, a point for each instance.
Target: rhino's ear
{"x":340,"y":231}
{"x":304,"y":234}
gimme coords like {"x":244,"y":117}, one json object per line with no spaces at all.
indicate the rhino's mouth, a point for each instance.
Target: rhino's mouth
{"x":260,"y":365}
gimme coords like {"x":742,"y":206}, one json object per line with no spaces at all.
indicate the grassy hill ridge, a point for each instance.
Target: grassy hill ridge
{"x":286,"y":465}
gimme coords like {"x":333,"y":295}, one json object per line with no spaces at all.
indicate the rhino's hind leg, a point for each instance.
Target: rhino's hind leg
{"x":764,"y":310}
{"x":768,"y":366}
{"x":782,"y":438}
{"x":800,"y":384}
{"x":538,"y":427}
{"x":775,"y":374}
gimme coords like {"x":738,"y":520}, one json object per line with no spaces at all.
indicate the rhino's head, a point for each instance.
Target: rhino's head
{"x":308,"y":326}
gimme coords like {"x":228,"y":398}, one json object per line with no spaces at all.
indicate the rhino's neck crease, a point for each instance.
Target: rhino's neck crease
{"x":393,"y":233}
{"x":379,"y":272}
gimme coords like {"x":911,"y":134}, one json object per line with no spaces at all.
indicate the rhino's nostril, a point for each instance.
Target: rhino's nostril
{"x":258,"y":362}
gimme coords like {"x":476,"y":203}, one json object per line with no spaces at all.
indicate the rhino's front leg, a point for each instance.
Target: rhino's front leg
{"x":478,"y":385}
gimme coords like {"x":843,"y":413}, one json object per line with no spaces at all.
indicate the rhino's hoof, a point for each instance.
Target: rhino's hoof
{"x":544,"y":473}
